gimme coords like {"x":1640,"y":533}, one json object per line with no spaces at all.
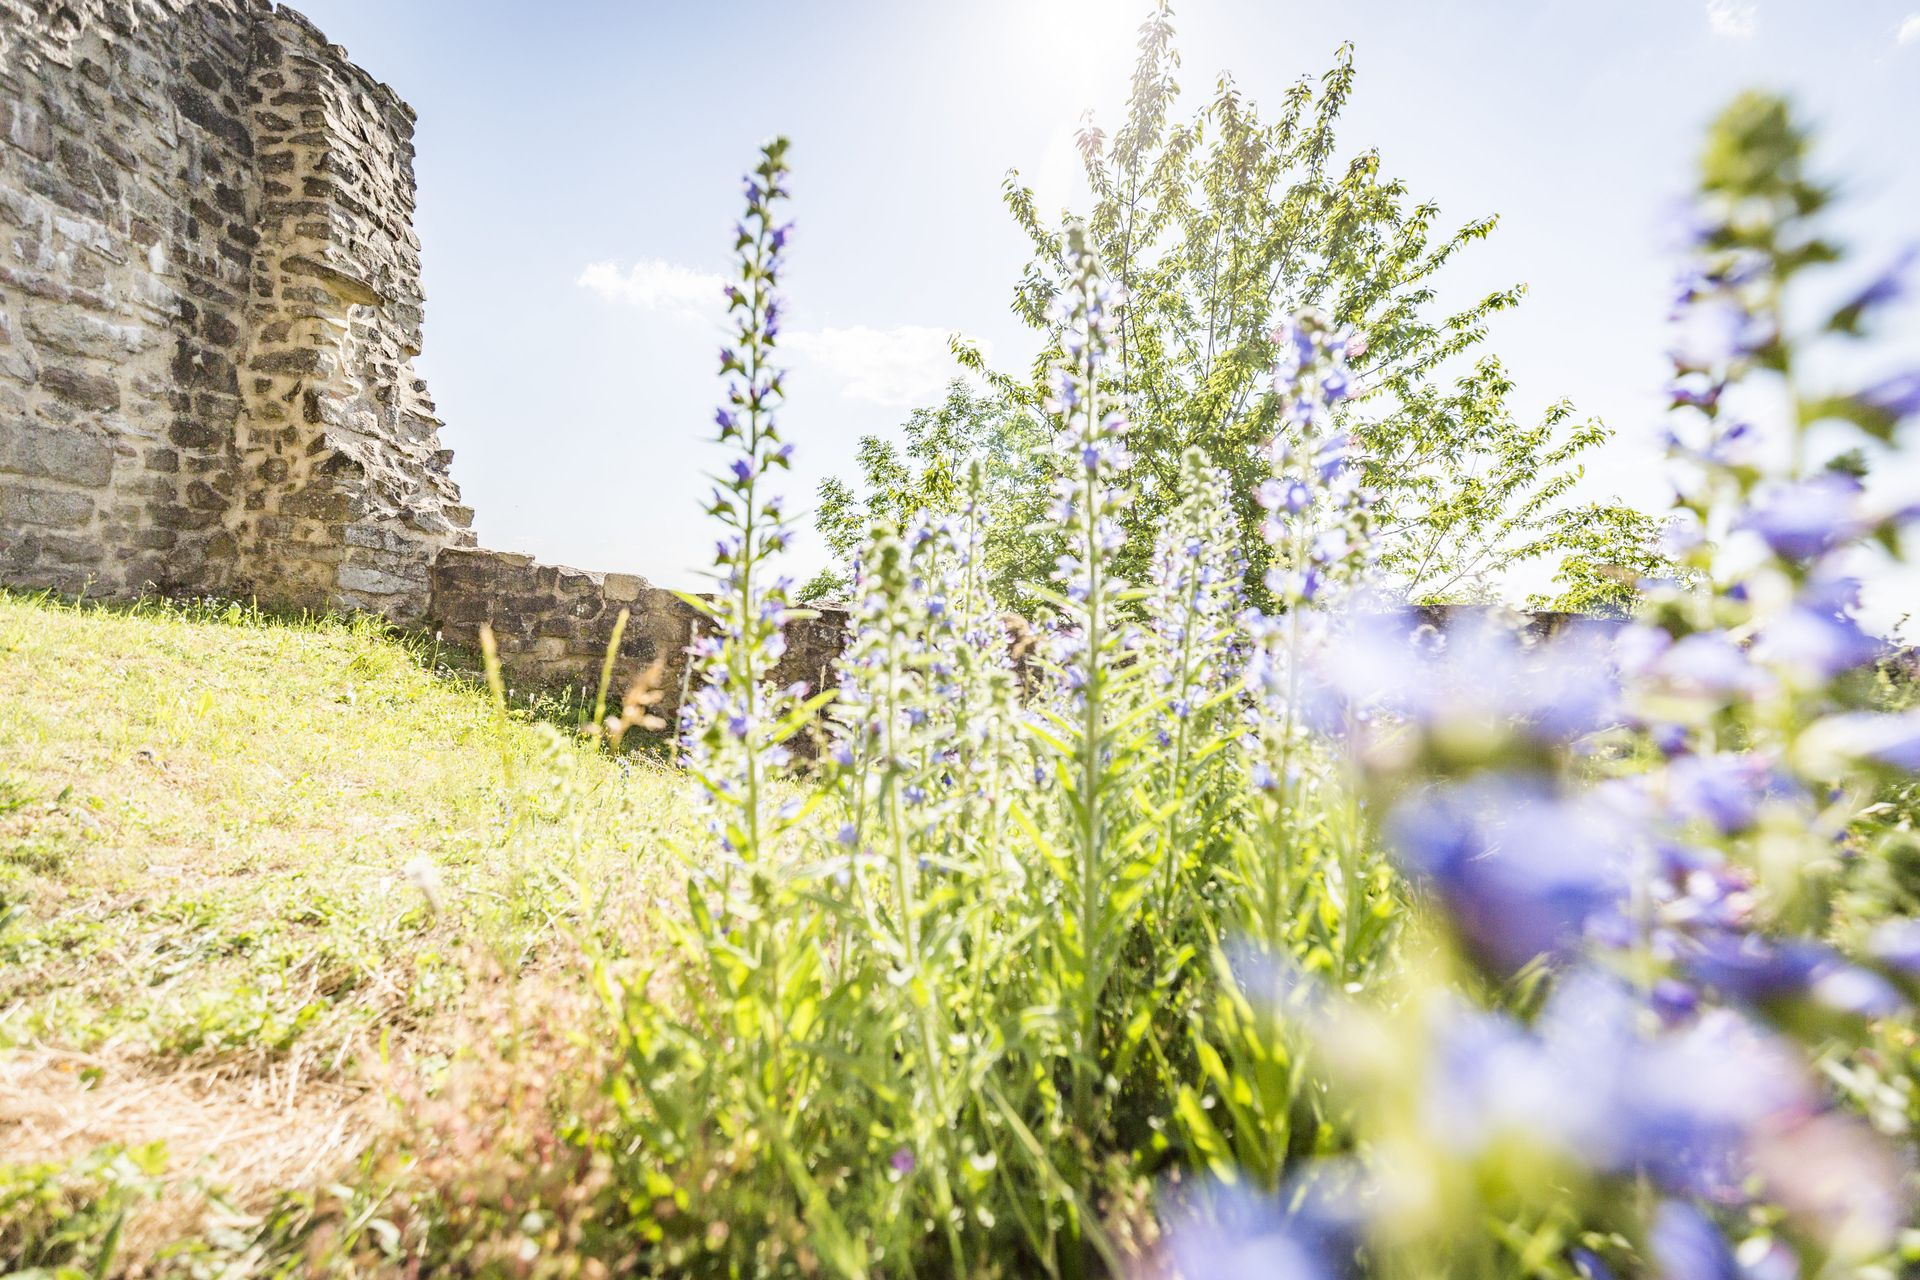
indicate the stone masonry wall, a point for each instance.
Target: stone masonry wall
{"x":553,"y":625}
{"x":209,"y":302}
{"x":347,"y":494}
{"x":127,"y":200}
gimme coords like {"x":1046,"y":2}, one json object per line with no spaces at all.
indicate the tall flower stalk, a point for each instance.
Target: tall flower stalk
{"x":890,"y":746}
{"x":762,"y":954}
{"x":734,"y":728}
{"x":1092,"y":761}
{"x":1319,"y":523}
{"x":1192,"y":650}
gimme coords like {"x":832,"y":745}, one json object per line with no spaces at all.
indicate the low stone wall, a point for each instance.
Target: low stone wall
{"x":553,"y":624}
{"x":1542,"y":623}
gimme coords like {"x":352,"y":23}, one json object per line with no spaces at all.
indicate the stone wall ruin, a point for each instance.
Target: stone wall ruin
{"x":210,"y":303}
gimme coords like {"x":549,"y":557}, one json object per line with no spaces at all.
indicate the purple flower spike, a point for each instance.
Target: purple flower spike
{"x":902,"y":1161}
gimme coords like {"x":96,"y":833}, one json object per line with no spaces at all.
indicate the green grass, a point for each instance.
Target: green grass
{"x":250,"y":867}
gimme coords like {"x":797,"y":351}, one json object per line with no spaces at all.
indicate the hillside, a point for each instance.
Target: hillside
{"x":259,"y":881}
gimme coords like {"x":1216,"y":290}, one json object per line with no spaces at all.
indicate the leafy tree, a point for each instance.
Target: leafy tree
{"x":931,"y":471}
{"x":1607,"y":551}
{"x":1219,"y":226}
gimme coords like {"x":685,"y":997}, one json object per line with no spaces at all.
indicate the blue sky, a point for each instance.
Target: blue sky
{"x":578,"y":166}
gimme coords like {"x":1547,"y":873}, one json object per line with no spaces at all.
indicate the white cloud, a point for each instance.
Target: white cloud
{"x":656,"y":285}
{"x":898,"y":367}
{"x":1737,"y":19}
{"x":1909,"y":32}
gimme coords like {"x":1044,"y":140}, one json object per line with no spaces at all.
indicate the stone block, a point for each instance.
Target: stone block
{"x":470,"y":610}
{"x":377,"y":538}
{"x":27,"y":127}
{"x":170,"y":516}
{"x":623,"y":588}
{"x":76,"y":457}
{"x":202,"y":496}
{"x":46,"y":508}
{"x":204,"y":111}
{"x":203,"y":368}
{"x":190,"y":434}
{"x":375,"y":582}
{"x":219,"y":329}
{"x":77,"y":333}
{"x":301,"y":361}
{"x":318,"y":504}
{"x":154,"y":539}
{"x":87,"y":391}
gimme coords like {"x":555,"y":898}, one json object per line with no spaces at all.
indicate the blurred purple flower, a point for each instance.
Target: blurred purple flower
{"x":1706,"y":663}
{"x":1485,"y":679}
{"x":1716,"y":332}
{"x":1803,"y":520}
{"x":1887,"y":738}
{"x":1898,"y":396}
{"x":1587,"y":1265}
{"x":1817,"y":646}
{"x":1693,"y":1103}
{"x":1683,"y":1245}
{"x":1488,"y":1077}
{"x":1766,"y":973}
{"x":1307,"y":1231}
{"x":1681,"y":1107}
{"x":1696,"y":889}
{"x":1724,"y":789}
{"x":1888,"y":287}
{"x":1521,"y":871}
{"x":1896,"y":943}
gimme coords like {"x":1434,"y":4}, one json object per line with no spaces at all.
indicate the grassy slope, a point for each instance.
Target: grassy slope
{"x":218,"y":838}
